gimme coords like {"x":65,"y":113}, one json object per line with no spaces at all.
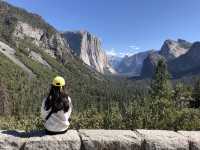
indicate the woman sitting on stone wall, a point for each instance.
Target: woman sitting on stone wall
{"x":56,"y":108}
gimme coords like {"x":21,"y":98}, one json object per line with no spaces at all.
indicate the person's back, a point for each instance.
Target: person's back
{"x":56,"y":108}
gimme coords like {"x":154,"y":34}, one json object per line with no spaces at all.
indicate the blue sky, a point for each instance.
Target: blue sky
{"x":124,"y":26}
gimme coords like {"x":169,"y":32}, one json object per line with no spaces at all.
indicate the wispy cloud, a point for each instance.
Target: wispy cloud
{"x":128,"y":53}
{"x":131,"y":50}
{"x":134,"y":47}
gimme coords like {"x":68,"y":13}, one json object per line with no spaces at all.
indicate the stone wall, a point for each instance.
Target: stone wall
{"x":101,"y":140}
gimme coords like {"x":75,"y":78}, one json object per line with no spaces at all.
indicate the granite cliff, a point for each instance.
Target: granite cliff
{"x":88,"y":48}
{"x":173,"y":49}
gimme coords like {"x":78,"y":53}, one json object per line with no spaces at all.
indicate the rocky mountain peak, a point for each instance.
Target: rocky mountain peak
{"x":172,"y":49}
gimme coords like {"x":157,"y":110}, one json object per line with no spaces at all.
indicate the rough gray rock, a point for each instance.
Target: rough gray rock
{"x":88,"y":48}
{"x":194,"y":138}
{"x":101,"y":140}
{"x":163,"y":139}
{"x":172,"y":49}
{"x":53,"y":44}
{"x":23,"y":29}
{"x":11,"y":140}
{"x":110,"y":140}
{"x":69,"y":141}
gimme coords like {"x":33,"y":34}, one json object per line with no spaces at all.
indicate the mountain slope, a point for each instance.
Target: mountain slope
{"x":41,"y":49}
{"x":10,"y":53}
{"x":170,"y":51}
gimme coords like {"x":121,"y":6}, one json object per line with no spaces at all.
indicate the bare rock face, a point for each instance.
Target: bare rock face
{"x":172,"y":49}
{"x":24,"y":29}
{"x":110,"y":140}
{"x":163,"y":139}
{"x":88,"y":48}
{"x":53,"y":43}
{"x":194,"y":138}
{"x":69,"y":141}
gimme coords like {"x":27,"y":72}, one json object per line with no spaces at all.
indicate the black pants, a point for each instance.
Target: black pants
{"x":54,"y":133}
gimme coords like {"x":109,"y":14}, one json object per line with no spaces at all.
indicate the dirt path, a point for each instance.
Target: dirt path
{"x":10,"y":53}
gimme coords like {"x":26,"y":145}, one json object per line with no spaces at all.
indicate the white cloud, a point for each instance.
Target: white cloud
{"x":128,"y":53}
{"x":133,"y":47}
{"x":131,"y":50}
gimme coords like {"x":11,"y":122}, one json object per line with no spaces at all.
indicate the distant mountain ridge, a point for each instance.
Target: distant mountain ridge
{"x":181,"y":56}
{"x":132,"y":65}
{"x":114,"y":61}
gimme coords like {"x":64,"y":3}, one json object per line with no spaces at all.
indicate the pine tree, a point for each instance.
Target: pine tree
{"x":182,"y":95}
{"x":196,"y":94}
{"x":160,"y":104}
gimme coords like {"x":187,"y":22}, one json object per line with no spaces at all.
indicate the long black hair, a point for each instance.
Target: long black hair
{"x":57,"y":100}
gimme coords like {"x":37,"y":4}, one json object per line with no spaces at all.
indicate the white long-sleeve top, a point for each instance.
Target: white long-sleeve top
{"x":57,"y":122}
